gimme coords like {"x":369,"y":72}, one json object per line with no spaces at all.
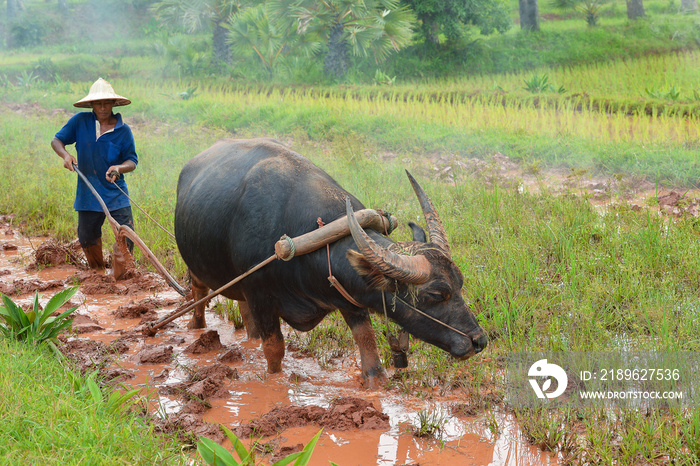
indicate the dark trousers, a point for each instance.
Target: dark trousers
{"x":90,"y":225}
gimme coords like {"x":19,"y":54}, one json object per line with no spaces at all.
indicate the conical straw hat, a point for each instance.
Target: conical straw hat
{"x":101,"y":90}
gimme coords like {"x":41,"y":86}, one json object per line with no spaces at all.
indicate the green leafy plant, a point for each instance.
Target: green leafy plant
{"x":229,"y":309}
{"x":673,"y":93}
{"x":5,"y":81}
{"x":37,"y":325}
{"x":382,"y":78}
{"x":188,"y":94}
{"x":45,"y":69}
{"x":537,"y":84}
{"x":26,"y":79}
{"x":112,"y":402}
{"x":430,"y":424}
{"x":214,"y":454}
{"x":590,"y":8}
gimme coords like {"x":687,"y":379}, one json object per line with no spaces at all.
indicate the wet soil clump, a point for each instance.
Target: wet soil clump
{"x":154,"y":354}
{"x":85,"y":324}
{"x":188,"y":426}
{"x":208,"y":341}
{"x":343,"y":414}
{"x":93,"y":282}
{"x":51,"y":253}
{"x":142,"y":308}
{"x":90,"y":355}
{"x":22,"y":286}
{"x":209,"y":382}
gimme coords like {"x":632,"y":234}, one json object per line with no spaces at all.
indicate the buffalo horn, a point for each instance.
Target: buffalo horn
{"x":435,"y":228}
{"x":407,"y":269}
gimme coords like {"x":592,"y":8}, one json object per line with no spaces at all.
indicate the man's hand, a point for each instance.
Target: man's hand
{"x":113,"y":173}
{"x":69,"y":161}
{"x":116,"y":171}
{"x":60,"y":149}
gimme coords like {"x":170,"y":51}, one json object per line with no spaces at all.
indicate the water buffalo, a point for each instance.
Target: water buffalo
{"x":237,"y":198}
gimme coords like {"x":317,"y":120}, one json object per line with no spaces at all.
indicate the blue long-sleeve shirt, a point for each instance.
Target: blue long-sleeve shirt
{"x":95,"y":156}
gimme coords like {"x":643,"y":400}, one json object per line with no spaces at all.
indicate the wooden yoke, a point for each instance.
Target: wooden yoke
{"x":286,"y":248}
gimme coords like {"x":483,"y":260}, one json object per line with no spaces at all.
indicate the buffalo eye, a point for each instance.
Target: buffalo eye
{"x":439,"y":293}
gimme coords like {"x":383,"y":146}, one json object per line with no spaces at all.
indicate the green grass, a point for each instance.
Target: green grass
{"x":45,"y":420}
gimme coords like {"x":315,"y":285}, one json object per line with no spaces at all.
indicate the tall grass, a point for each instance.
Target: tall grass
{"x":40,"y":426}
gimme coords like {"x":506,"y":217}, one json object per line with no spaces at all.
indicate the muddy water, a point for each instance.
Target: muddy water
{"x":465,"y":440}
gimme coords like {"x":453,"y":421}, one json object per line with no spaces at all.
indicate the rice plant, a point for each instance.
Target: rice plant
{"x":430,"y":423}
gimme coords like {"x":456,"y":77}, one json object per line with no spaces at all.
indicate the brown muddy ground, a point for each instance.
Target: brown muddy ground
{"x":198,"y":379}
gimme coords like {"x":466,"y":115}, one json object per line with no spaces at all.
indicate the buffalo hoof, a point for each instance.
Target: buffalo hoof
{"x":375,"y":380}
{"x":197,"y":323}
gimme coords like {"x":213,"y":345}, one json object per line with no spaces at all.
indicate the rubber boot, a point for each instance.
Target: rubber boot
{"x":93,"y":254}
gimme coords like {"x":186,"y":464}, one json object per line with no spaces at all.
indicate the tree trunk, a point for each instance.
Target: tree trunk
{"x":431,"y":29}
{"x":529,"y":15}
{"x":222,"y":51}
{"x":12,"y":8}
{"x":63,"y":6}
{"x":635,"y":9}
{"x":689,"y":6}
{"x":336,"y":62}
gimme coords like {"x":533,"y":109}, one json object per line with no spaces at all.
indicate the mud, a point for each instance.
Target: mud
{"x":198,"y":380}
{"x":85,"y":324}
{"x":145,"y":306}
{"x":344,"y":414}
{"x":154,"y":354}
{"x":208,"y":341}
{"x":51,"y":253}
{"x":96,"y":282}
{"x":21,"y":286}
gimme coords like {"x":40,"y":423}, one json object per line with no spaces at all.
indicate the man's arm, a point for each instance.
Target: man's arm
{"x":60,"y":149}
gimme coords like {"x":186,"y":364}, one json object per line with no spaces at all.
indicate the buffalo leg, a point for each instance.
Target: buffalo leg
{"x":250,"y":327}
{"x":267,"y":324}
{"x":199,"y":291}
{"x":373,"y":374}
{"x":273,"y":348}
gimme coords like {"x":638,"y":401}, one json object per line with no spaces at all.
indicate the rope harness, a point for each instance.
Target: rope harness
{"x":331,"y":278}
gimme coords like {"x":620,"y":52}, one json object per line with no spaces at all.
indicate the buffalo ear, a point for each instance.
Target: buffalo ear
{"x":374,"y":278}
{"x":418,"y":233}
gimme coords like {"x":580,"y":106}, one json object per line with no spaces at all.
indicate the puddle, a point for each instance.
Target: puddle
{"x":251,"y":393}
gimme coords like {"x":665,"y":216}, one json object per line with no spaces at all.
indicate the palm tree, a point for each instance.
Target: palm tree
{"x":375,"y":27}
{"x":268,"y":36}
{"x":201,"y":15}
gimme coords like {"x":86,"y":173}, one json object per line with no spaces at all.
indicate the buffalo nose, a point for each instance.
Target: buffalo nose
{"x":480,"y":343}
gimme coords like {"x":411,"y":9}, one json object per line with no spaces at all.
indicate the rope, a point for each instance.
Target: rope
{"x":144,"y":212}
{"x":151,"y":330}
{"x":291,"y":248}
{"x":331,"y":278}
{"x":432,"y":318}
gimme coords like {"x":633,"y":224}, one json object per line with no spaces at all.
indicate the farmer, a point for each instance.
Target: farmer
{"x":105,"y":149}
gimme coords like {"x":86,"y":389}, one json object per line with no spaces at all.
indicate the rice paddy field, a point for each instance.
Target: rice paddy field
{"x":563,"y":246}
